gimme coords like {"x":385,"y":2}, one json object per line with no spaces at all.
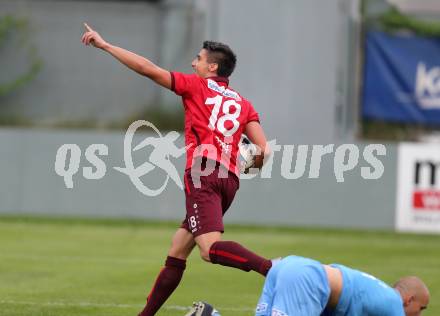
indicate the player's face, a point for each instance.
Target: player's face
{"x":201,"y":65}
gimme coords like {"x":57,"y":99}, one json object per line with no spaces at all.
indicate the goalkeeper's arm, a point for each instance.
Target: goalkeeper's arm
{"x":140,"y":64}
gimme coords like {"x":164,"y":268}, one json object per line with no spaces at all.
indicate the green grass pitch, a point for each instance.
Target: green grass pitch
{"x":80,"y":267}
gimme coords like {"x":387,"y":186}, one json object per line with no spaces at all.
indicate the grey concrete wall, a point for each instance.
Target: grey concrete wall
{"x":30,"y":185}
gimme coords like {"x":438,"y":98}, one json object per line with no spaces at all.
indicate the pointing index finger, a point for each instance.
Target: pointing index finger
{"x":88,"y":28}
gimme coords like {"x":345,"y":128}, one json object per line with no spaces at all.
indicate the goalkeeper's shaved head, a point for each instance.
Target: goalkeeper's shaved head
{"x":411,"y":284}
{"x":414,"y":293}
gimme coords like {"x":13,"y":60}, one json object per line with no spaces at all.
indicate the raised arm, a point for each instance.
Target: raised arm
{"x":140,"y":64}
{"x":255,"y":133}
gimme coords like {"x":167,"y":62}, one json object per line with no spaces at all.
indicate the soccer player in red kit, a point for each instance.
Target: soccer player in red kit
{"x":215,"y":118}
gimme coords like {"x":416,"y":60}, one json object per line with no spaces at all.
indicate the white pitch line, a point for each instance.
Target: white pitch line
{"x":56,"y":258}
{"x":89,"y":304}
{"x":73,"y":304}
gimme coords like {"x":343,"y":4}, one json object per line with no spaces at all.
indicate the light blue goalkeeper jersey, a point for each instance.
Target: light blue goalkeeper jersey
{"x":365,"y":295}
{"x":299,"y":286}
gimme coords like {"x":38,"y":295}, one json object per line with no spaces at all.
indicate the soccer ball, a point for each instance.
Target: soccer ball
{"x":247,"y":153}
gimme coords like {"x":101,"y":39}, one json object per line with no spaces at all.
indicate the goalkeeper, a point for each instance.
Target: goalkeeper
{"x":305,"y":287}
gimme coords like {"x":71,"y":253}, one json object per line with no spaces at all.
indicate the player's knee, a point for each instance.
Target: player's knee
{"x":204,"y":254}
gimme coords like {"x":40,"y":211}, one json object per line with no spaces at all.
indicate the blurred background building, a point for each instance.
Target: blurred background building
{"x":318,"y":72}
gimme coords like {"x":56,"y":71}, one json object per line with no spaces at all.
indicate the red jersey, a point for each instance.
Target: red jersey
{"x":215,"y":117}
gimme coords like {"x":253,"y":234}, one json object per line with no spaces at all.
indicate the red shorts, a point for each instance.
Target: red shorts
{"x":205,"y":206}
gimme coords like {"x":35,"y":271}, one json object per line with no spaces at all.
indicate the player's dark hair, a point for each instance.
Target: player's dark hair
{"x":222,"y":55}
